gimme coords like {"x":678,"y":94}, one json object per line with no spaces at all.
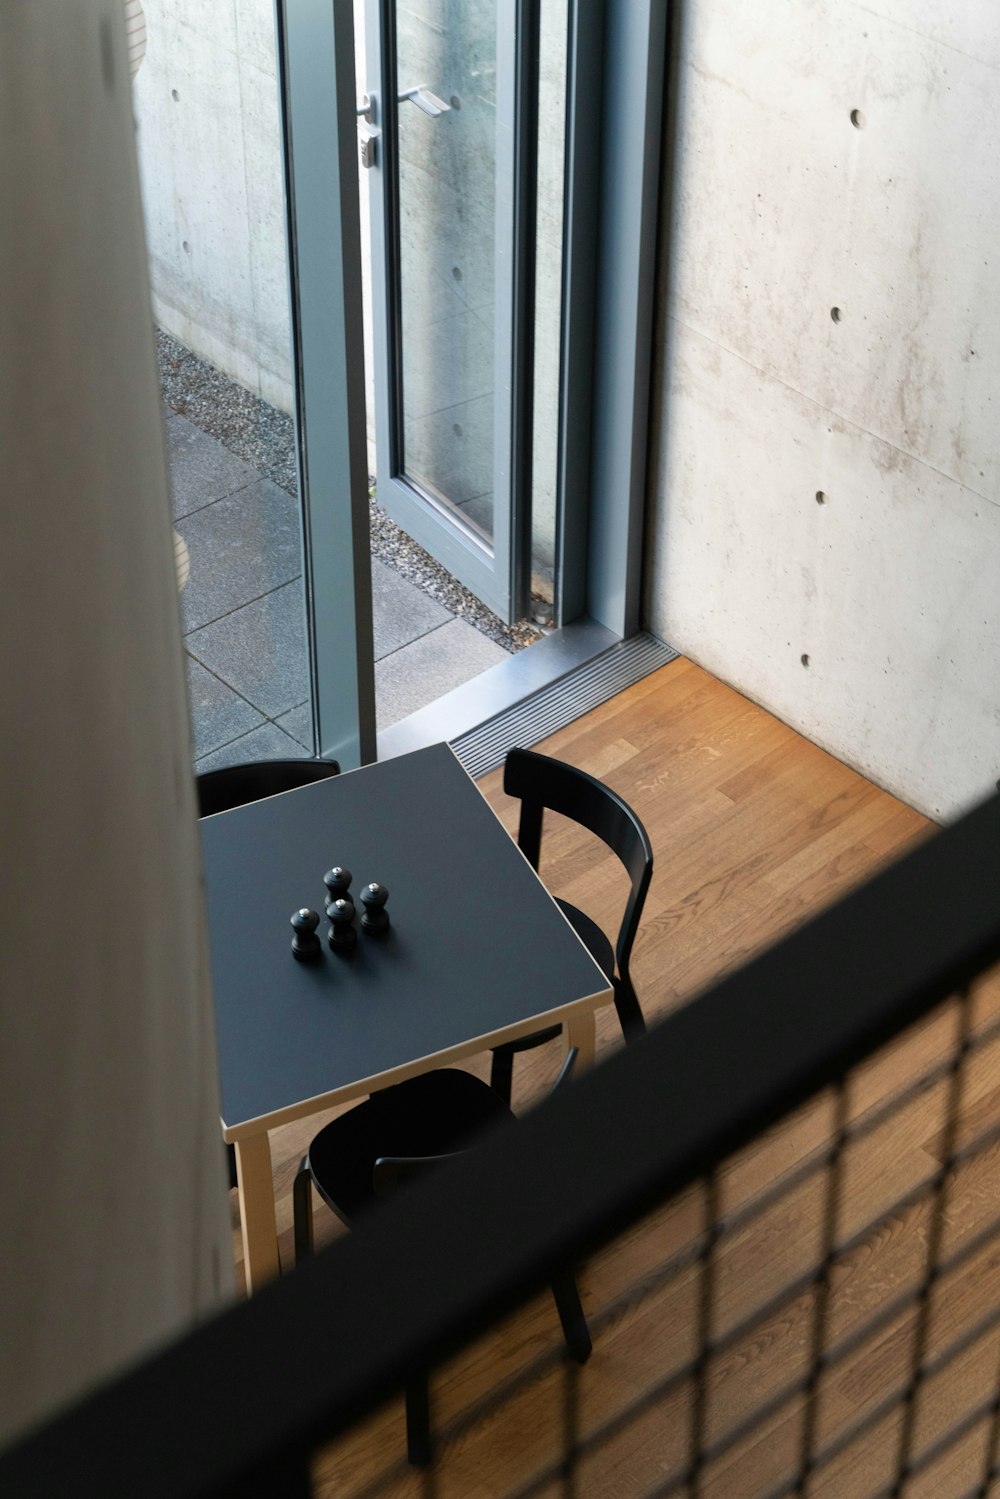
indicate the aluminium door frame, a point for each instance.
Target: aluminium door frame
{"x":618,"y":63}
{"x":315,"y":45}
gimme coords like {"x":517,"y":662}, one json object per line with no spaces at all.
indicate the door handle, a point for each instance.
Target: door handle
{"x":368,"y":134}
{"x":368,"y":140}
{"x":425,"y":100}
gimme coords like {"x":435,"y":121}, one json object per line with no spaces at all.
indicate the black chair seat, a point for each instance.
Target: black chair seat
{"x":235,"y":785}
{"x":396,"y":1136}
{"x":434,"y":1114}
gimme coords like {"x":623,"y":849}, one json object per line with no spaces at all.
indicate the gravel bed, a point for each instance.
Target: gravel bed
{"x":265,"y":437}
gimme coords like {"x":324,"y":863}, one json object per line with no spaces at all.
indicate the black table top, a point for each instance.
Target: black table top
{"x":476,"y":946}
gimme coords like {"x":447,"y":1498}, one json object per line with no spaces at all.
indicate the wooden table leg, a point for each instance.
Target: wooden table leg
{"x":256,"y":1192}
{"x":581,"y":1031}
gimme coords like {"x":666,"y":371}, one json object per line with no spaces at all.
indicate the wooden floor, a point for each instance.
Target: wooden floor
{"x":754,"y":829}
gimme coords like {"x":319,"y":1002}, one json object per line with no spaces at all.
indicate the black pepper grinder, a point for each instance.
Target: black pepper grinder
{"x":342,"y":936}
{"x":305,"y":943}
{"x":338,"y":885}
{"x":374,"y":916}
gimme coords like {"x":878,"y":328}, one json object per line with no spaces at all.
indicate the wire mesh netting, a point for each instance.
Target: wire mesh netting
{"x":820,"y":1316}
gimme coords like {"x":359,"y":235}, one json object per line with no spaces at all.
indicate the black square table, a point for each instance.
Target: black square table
{"x":477,"y":952}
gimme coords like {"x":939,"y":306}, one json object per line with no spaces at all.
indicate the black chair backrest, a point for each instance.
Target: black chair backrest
{"x":392,"y":1171}
{"x":541,"y":783}
{"x":235,"y":785}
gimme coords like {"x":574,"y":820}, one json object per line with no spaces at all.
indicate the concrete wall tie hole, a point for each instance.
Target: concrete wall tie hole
{"x":836,"y":314}
{"x":857,"y":119}
{"x":820,"y":497}
{"x":804,"y":659}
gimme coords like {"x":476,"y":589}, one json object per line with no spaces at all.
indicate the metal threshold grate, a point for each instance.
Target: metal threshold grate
{"x":526,"y":723}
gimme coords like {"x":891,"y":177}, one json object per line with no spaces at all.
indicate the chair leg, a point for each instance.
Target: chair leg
{"x":502,"y":1073}
{"x":574,"y":1323}
{"x":629,"y":1010}
{"x":302,"y":1211}
{"x":418,"y":1421}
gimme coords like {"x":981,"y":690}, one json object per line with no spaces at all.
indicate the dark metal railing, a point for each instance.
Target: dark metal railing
{"x":242,"y":1404}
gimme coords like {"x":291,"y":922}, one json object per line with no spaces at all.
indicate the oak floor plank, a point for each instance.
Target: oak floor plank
{"x":754,"y":830}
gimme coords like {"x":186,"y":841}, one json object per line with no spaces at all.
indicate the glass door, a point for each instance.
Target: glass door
{"x":444,"y":138}
{"x":247,"y":148}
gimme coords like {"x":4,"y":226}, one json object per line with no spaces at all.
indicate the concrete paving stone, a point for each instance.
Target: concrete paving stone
{"x":266,"y":743}
{"x":240,"y":547}
{"x":298,"y":723}
{"x":260,"y":650}
{"x":201,"y":469}
{"x":218,"y":714}
{"x":429,"y":667}
{"x":401,"y":611}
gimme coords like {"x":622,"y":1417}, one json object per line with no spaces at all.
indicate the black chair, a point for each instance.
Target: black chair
{"x":542,"y":783}
{"x":235,"y":785}
{"x":393,"y":1137}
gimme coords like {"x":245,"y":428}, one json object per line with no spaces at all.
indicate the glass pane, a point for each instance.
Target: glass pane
{"x":446,"y":70}
{"x":548,"y":303}
{"x":206,"y":107}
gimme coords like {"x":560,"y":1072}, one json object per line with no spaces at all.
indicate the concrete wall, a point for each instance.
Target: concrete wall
{"x":825,"y":527}
{"x":206,"y":107}
{"x":116,"y":1227}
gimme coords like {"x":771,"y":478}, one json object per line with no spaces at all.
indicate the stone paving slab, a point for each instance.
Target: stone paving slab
{"x":218,"y":714}
{"x":429,"y":667}
{"x":201,"y":469}
{"x":240,"y":547}
{"x":266,"y":743}
{"x":298,"y":723}
{"x":260,"y":650}
{"x":400,"y":611}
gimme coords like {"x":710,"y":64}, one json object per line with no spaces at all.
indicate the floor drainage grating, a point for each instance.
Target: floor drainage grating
{"x":484,"y":748}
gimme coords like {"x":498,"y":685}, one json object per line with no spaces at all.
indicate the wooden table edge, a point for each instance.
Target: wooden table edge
{"x":573,"y":1016}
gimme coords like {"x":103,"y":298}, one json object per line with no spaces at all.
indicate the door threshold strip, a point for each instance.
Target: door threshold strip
{"x":524,"y":724}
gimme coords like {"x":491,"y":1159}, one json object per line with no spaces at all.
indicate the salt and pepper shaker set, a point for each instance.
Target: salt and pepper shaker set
{"x":341,"y":935}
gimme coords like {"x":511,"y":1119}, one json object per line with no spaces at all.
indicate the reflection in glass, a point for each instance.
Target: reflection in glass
{"x":208,"y":133}
{"x":548,"y":303}
{"x":447,"y":188}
